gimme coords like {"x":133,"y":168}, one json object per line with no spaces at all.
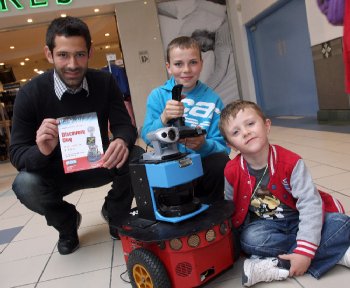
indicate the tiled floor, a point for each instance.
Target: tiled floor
{"x":29,"y":256}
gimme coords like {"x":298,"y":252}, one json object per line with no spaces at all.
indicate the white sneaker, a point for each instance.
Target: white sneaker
{"x":262,"y":270}
{"x":345,"y":261}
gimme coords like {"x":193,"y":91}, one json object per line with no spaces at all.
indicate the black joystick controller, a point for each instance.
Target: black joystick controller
{"x":176,"y":92}
{"x":176,"y":95}
{"x":184,"y":131}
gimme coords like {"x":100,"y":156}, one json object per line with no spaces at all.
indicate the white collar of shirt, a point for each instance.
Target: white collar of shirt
{"x":61,"y":88}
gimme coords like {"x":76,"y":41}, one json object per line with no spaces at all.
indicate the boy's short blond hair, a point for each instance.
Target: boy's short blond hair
{"x":183,"y":42}
{"x":231,"y":110}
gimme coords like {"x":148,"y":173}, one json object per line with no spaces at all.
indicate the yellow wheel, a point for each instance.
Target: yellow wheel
{"x":146,"y":270}
{"x":142,"y":277}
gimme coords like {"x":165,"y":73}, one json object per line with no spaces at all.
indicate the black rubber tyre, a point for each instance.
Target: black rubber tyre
{"x":146,"y":270}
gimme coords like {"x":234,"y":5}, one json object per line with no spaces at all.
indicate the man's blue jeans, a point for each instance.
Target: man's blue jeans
{"x":270,"y":238}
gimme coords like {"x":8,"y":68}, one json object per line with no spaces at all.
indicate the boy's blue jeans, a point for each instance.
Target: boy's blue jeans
{"x":270,"y":238}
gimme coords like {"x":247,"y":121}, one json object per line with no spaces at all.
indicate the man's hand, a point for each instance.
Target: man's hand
{"x":194,"y":143}
{"x":47,"y":136}
{"x":116,"y":154}
{"x":173,"y":109}
{"x":298,"y":263}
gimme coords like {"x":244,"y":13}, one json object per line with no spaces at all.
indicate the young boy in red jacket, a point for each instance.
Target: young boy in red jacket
{"x":285,"y":223}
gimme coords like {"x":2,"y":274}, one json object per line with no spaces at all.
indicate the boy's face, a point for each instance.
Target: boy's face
{"x":185,"y":65}
{"x":247,"y":132}
{"x":70,"y":58}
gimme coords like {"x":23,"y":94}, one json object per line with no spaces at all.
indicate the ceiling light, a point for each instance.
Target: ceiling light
{"x":29,"y":20}
{"x":23,"y":80}
{"x":22,"y":63}
{"x":12,"y":47}
{"x":63,"y":15}
{"x":96,"y":10}
{"x":107,"y":34}
{"x":27,"y":59}
{"x":2,"y":64}
{"x":37,"y":71}
{"x":107,"y":46}
{"x":145,"y":2}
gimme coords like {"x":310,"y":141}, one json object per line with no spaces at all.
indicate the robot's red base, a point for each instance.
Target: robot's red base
{"x":211,"y":253}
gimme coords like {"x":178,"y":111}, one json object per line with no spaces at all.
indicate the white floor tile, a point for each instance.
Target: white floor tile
{"x":237,"y":282}
{"x":22,"y":272}
{"x":36,"y":227}
{"x":335,"y":182}
{"x":337,"y":277}
{"x":85,"y":259}
{"x":91,"y":206}
{"x":15,"y":221}
{"x":344,"y":197}
{"x":92,"y":218}
{"x":5,"y":183}
{"x":343,"y":163}
{"x":118,"y":256}
{"x":311,"y":164}
{"x":2,"y":247}
{"x":6,"y":202}
{"x":94,"y":279}
{"x":117,"y":277}
{"x":23,"y":249}
{"x":321,"y":171}
{"x":17,"y":209}
{"x":94,"y":235}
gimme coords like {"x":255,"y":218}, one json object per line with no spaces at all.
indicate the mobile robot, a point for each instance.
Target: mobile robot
{"x":171,"y":239}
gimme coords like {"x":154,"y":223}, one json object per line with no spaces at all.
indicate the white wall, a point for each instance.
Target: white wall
{"x":251,"y":8}
{"x":319,"y":28}
{"x":139,"y":31}
{"x":241,"y":51}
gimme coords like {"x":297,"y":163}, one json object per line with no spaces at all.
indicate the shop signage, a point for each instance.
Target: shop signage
{"x":33,"y":4}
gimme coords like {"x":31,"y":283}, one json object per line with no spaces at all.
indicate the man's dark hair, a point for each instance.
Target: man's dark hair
{"x":67,"y":26}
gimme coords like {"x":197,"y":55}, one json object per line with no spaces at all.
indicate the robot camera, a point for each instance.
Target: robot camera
{"x":164,"y":135}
